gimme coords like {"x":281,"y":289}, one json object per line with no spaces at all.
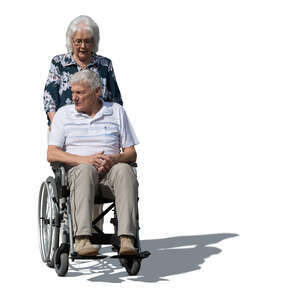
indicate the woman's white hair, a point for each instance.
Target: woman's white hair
{"x":88,"y":24}
{"x":88,"y":77}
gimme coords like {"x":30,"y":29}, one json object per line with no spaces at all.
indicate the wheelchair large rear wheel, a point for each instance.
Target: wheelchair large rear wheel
{"x":48,"y":220}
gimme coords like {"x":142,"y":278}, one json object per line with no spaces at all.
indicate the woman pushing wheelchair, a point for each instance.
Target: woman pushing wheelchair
{"x":82,"y":40}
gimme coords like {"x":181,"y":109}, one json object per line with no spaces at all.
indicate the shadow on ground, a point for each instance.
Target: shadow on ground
{"x":169,"y":256}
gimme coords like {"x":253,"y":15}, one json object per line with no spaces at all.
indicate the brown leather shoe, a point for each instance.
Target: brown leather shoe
{"x":84,"y":247}
{"x":127,"y":247}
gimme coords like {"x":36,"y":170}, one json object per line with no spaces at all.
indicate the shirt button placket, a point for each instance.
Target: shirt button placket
{"x":92,"y":129}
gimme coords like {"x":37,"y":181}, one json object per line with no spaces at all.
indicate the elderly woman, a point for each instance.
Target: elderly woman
{"x":82,"y":44}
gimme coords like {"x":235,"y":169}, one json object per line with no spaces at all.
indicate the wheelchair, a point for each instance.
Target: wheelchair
{"x":56,"y":231}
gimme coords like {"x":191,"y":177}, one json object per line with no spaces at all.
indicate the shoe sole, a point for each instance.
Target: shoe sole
{"x":128,"y":251}
{"x":87,"y":252}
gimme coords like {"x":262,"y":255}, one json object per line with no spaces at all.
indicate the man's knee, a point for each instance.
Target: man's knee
{"x":87,"y":169}
{"x":84,"y":172}
{"x":123,"y":171}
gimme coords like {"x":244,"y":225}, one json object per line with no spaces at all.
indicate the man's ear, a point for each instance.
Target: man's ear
{"x":98,"y":91}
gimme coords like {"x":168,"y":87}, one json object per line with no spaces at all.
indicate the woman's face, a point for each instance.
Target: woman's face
{"x":83,"y":44}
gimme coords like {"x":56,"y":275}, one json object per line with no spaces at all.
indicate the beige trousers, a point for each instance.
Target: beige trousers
{"x":120,"y":181}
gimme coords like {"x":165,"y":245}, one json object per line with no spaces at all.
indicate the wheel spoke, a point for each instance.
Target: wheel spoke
{"x":48,"y":212}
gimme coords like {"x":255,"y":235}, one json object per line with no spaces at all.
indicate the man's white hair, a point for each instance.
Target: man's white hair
{"x":88,"y":77}
{"x":89,"y":24}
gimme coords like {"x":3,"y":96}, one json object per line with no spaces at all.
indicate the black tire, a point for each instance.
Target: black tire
{"x":61,"y":262}
{"x":135,"y":267}
{"x":132,"y":265}
{"x":50,"y":263}
{"x":123,"y":262}
{"x":55,"y":243}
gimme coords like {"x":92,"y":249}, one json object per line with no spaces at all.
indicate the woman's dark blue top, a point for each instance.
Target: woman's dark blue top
{"x":57,"y":91}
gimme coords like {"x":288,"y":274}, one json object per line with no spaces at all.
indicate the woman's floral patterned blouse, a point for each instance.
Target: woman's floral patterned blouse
{"x":57,"y":91}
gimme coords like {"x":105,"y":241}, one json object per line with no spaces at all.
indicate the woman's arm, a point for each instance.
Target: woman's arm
{"x":51,"y":91}
{"x":113,"y":92}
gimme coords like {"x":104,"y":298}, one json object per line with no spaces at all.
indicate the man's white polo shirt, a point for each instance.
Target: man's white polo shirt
{"x":77,"y":133}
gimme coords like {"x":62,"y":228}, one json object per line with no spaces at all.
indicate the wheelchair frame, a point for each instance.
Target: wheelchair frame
{"x":54,"y":210}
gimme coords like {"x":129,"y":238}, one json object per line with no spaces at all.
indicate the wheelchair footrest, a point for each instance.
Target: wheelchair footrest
{"x":105,"y":239}
{"x":140,"y":255}
{"x":88,"y":256}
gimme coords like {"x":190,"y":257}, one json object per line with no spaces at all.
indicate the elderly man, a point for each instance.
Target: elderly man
{"x":87,"y":137}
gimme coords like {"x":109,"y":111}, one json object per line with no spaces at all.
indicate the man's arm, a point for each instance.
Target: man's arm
{"x":127,"y":156}
{"x":51,"y":116}
{"x":56,"y":154}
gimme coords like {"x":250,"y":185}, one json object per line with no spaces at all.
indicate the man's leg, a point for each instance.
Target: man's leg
{"x":124,"y":185}
{"x":98,"y":209}
{"x":82,"y":181}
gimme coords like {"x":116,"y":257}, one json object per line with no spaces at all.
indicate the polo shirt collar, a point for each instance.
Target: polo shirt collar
{"x":105,"y":110}
{"x":69,"y":60}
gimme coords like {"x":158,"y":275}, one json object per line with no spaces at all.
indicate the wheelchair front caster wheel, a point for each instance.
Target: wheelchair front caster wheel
{"x":132,"y":265}
{"x":135,"y":267}
{"x":61,"y":262}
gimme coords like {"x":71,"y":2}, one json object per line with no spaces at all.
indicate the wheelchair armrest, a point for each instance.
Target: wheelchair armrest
{"x":56,"y":165}
{"x":133,"y":164}
{"x":59,"y":169}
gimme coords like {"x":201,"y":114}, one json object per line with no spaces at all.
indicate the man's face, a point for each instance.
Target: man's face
{"x":83,"y":97}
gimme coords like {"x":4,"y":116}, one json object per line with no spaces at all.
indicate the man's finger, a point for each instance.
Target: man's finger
{"x":98,"y":163}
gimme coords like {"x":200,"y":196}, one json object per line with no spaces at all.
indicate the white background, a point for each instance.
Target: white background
{"x":212,"y":89}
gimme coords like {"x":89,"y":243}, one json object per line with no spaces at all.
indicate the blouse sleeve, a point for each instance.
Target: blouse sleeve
{"x":113,"y":92}
{"x":51,"y":91}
